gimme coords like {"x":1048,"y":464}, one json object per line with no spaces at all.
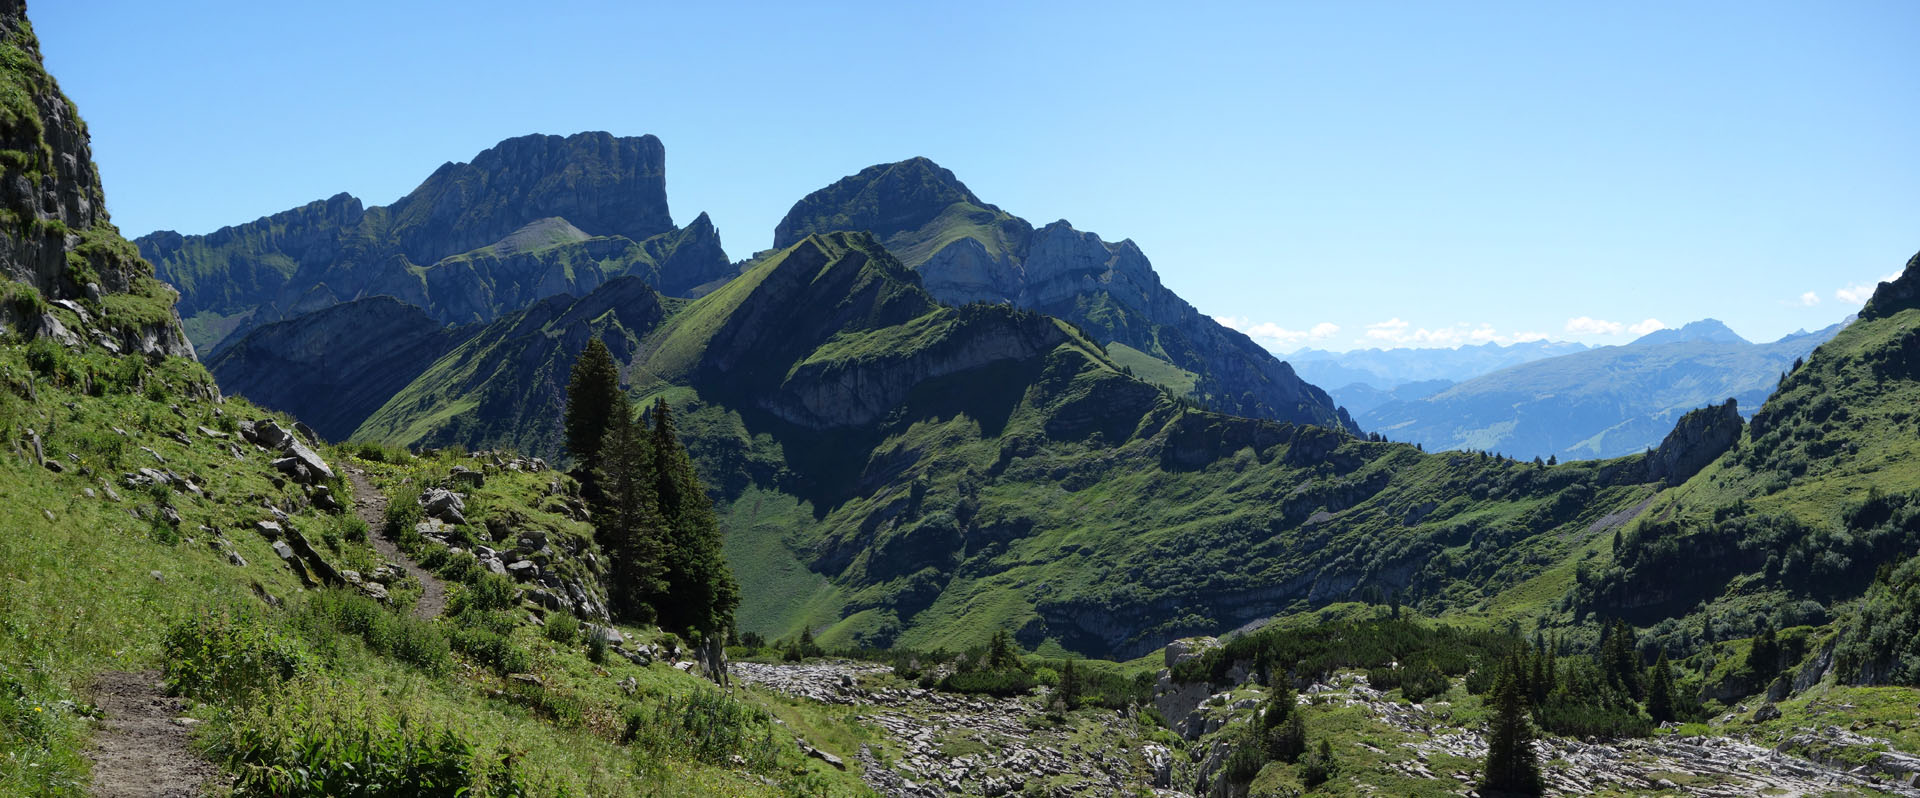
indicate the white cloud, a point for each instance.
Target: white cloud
{"x":1647,"y":326}
{"x":1810,"y":298}
{"x":1527,"y":337}
{"x":1859,"y":293}
{"x":1587,"y":325}
{"x":1272,"y":335}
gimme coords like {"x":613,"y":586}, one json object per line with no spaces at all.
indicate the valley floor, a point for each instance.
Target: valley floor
{"x":939,"y":744}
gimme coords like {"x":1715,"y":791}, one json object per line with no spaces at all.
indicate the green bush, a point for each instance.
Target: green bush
{"x":492,"y":649}
{"x":337,"y":754}
{"x":562,"y":628}
{"x":226,"y":656}
{"x":403,"y":512}
{"x":1004,"y":684}
{"x":402,"y":637}
{"x":705,"y":725}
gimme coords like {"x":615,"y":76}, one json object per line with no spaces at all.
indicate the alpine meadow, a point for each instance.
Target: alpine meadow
{"x":514,"y":486}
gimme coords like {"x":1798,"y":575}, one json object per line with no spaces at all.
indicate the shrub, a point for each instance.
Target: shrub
{"x":492,"y":591}
{"x":597,"y":647}
{"x":1319,"y":766}
{"x":1004,"y":684}
{"x":705,"y":725}
{"x":226,"y":656}
{"x":403,"y":512}
{"x":562,"y":628}
{"x":402,"y":637}
{"x":339,"y":753}
{"x":492,"y":649}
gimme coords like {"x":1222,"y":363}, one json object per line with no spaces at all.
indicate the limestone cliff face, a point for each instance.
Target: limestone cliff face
{"x":59,"y":239}
{"x":967,"y":251}
{"x":1699,"y":438}
{"x":604,"y":185}
{"x":474,"y":241}
{"x":321,"y":367}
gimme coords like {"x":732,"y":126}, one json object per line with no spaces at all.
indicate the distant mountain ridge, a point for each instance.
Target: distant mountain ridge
{"x":1386,"y":369}
{"x":527,"y":218}
{"x":1602,"y":402}
{"x":966,"y":250}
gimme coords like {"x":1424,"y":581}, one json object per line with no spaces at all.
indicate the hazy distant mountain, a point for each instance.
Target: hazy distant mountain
{"x":1601,"y":402}
{"x":1385,"y":369}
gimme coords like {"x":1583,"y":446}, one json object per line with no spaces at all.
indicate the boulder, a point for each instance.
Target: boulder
{"x":464,"y":476}
{"x":1188,"y":648}
{"x":1766,"y":712}
{"x":444,"y":504}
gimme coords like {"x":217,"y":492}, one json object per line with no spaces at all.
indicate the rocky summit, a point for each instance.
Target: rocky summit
{"x":526,"y":219}
{"x":968,"y":251}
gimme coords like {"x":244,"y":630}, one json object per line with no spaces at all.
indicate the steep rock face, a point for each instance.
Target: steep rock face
{"x":968,"y":251}
{"x":320,"y":368}
{"x":605,"y":185}
{"x":529,"y":218}
{"x":1699,"y":438}
{"x":60,"y":241}
{"x":1896,"y":296}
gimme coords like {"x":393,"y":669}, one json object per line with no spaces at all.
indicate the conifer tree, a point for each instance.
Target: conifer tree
{"x":701,"y":593}
{"x":1513,"y":769}
{"x":627,"y":518}
{"x":1071,"y":686}
{"x":1284,"y":728}
{"x":1001,"y":655}
{"x":1660,"y":691}
{"x":593,"y":402}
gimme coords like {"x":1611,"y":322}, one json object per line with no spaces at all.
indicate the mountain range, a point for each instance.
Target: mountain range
{"x":1597,"y":403}
{"x":905,"y":451}
{"x":1387,"y":369}
{"x":528,"y":218}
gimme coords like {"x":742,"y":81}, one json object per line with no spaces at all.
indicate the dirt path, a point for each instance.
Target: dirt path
{"x":371,"y":505}
{"x":143,"y":753}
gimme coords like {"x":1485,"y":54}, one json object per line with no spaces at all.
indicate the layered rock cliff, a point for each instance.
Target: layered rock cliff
{"x":61,"y":247}
{"x":531,"y":217}
{"x":1699,"y":438}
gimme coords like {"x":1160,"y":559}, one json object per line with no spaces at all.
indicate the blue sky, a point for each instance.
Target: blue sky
{"x":1325,"y":174}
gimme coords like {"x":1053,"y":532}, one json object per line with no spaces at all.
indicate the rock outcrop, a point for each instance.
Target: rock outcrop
{"x":1900,"y":294}
{"x":1699,"y":438}
{"x":60,"y":243}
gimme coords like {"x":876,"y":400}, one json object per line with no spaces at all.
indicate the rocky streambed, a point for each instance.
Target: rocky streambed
{"x":1712,"y":767}
{"x":940,"y":744}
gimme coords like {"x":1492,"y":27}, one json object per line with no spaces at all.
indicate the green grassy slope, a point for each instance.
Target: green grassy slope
{"x":897,"y":471}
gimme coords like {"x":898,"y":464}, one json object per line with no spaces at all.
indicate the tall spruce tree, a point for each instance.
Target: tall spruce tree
{"x":1660,"y":691}
{"x":627,"y":518}
{"x":1513,"y":769}
{"x":594,"y":402}
{"x":701,"y":593}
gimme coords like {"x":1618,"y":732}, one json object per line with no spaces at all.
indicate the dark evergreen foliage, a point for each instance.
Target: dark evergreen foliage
{"x":593,"y":400}
{"x":1513,"y":769}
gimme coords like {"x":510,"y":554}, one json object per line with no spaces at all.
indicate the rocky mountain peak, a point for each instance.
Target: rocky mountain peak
{"x":602,"y":184}
{"x":1709,"y":330}
{"x":884,"y":199}
{"x":1896,"y":296}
